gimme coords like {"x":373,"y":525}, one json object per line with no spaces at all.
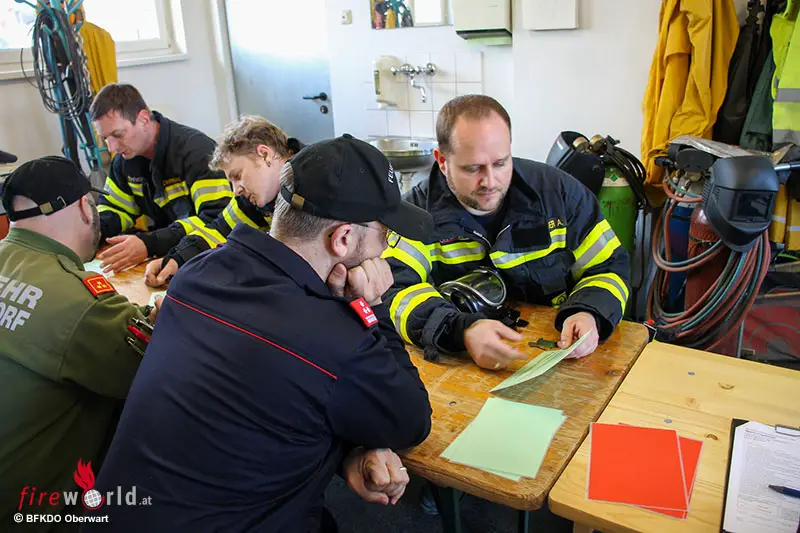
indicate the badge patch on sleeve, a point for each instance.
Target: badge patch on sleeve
{"x":98,"y":285}
{"x":364,"y":312}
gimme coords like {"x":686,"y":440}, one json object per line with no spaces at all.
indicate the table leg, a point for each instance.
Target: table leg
{"x":450,"y":509}
{"x":524,"y":522}
{"x":580,"y":528}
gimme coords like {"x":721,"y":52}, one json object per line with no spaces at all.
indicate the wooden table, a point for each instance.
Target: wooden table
{"x":458,"y":389}
{"x":130,"y":283}
{"x":697,"y":394}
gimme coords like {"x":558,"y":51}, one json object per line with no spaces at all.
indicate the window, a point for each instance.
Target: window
{"x":140,"y":28}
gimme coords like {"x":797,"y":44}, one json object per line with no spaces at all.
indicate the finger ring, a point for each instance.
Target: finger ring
{"x":496,"y":366}
{"x":403,"y":468}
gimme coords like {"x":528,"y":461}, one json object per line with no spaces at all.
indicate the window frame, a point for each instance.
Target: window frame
{"x":129,"y":53}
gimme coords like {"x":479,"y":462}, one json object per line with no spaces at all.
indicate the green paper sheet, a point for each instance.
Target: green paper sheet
{"x":506,"y":438}
{"x":154,"y":294}
{"x":93,"y":266}
{"x":539,"y":365}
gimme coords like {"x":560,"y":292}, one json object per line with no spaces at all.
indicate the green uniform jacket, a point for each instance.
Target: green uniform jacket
{"x":65,"y":366}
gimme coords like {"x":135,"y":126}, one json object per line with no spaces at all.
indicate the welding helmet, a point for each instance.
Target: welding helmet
{"x":738,"y":199}
{"x":571,"y":154}
{"x":481,"y":290}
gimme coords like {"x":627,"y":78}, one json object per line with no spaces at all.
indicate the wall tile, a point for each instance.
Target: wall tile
{"x":398,"y":123}
{"x":469,"y":67}
{"x":445,"y":67}
{"x":442,"y":93}
{"x":376,"y":123}
{"x":469,"y":88}
{"x":422,"y":124}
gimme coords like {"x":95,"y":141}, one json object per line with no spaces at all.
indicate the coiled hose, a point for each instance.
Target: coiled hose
{"x":722,"y":308}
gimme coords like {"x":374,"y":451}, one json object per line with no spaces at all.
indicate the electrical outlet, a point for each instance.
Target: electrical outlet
{"x":347,"y":17}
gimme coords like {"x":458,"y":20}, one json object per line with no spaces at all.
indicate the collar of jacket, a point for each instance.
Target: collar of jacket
{"x":270,"y":250}
{"x":42,"y":243}
{"x":162,"y":143}
{"x":522,"y":203}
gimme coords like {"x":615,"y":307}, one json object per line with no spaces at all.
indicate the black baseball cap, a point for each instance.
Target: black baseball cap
{"x":52,"y":182}
{"x":350,"y":180}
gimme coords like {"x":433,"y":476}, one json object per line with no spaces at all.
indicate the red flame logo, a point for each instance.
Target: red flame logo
{"x":84,"y":476}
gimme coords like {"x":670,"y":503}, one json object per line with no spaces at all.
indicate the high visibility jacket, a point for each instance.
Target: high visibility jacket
{"x":238,"y":211}
{"x":555,"y":248}
{"x":175,"y":190}
{"x":688,"y":76}
{"x":785,"y":32}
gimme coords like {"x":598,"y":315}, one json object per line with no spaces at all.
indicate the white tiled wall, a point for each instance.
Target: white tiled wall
{"x":458,"y":73}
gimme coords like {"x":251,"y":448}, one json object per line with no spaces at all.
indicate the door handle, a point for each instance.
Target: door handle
{"x":321,"y":96}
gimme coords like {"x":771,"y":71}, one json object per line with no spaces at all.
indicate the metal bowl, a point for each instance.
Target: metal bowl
{"x":406,"y":154}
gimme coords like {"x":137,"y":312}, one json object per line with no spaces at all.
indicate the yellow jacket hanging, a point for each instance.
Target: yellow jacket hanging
{"x":688,"y":76}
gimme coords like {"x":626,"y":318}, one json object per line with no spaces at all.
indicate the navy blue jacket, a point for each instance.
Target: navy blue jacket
{"x":257,"y":381}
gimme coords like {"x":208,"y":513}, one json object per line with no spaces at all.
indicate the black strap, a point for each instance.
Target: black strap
{"x":43,"y":209}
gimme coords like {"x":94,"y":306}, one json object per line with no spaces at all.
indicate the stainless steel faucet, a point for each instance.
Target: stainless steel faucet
{"x":412,"y":72}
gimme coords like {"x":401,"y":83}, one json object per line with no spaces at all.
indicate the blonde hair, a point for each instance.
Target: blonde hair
{"x":243,"y":137}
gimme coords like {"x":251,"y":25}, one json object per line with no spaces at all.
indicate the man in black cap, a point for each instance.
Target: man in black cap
{"x":276,"y":363}
{"x":66,"y":361}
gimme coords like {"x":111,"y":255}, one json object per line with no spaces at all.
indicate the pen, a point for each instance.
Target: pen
{"x":139,"y":335}
{"x":794,"y":493}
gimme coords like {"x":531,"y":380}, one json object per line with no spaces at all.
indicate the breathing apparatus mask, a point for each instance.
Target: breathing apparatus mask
{"x":482,"y":291}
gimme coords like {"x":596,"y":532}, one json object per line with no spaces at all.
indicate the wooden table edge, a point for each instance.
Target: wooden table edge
{"x":523,"y":504}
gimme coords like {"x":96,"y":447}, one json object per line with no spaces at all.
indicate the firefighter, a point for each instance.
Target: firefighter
{"x":537,"y":226}
{"x":160,"y":170}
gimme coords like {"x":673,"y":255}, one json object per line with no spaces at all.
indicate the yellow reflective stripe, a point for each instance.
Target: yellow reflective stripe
{"x":457,"y":253}
{"x":595,"y":249}
{"x":406,"y":301}
{"x":608,"y":281}
{"x":190,"y":224}
{"x":195,"y":226}
{"x":234,"y":215}
{"x":121,"y":199}
{"x":414,"y":254}
{"x":506,"y":260}
{"x":209,"y":190}
{"x":136,"y":188}
{"x":175,"y":190}
{"x":125,"y":220}
{"x":210,"y":197}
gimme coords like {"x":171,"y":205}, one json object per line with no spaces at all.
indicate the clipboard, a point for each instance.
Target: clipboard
{"x":735,"y":423}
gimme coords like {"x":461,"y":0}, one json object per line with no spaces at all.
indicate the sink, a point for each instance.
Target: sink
{"x":406,"y":154}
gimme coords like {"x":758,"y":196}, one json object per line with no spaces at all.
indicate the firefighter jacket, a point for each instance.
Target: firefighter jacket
{"x":175,"y":190}
{"x":238,"y":211}
{"x":554,"y":248}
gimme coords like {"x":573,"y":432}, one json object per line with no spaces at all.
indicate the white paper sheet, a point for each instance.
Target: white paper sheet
{"x":762,"y":457}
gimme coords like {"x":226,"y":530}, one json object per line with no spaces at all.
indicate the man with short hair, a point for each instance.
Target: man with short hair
{"x":538,"y":227}
{"x":160,"y":170}
{"x":251,"y":152}
{"x":274,"y":360}
{"x":67,"y":357}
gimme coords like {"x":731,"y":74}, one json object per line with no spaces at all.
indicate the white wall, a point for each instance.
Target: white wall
{"x":192,"y":91}
{"x":590,"y":80}
{"x":354,"y":47}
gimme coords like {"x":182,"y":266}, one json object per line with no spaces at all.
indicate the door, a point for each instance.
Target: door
{"x":280,"y":64}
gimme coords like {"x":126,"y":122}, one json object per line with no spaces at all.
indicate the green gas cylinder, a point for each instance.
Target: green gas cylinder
{"x":619,"y":206}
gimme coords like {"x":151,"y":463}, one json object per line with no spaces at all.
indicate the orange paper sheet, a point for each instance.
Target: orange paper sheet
{"x":690,"y":455}
{"x":638,"y":466}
